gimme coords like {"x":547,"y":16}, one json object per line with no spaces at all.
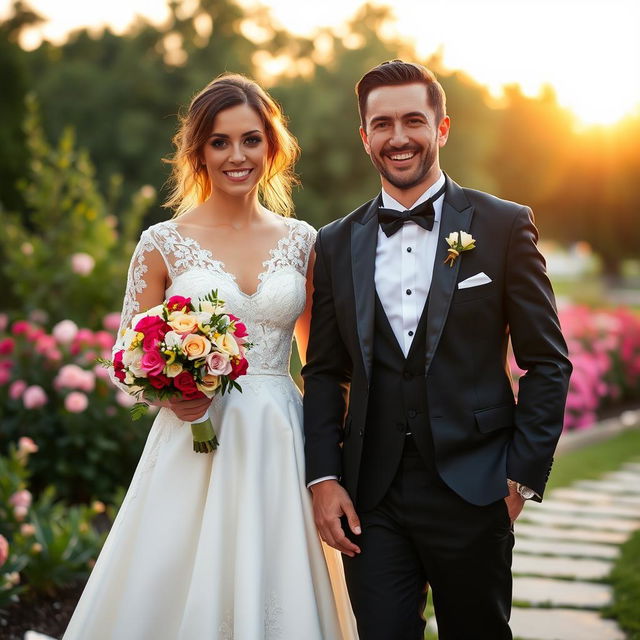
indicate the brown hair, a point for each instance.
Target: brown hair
{"x":189,"y":181}
{"x":398,"y":72}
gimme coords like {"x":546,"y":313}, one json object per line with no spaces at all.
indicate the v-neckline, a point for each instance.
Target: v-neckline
{"x":222,"y":266}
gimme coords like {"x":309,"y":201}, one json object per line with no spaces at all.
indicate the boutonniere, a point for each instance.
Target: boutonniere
{"x":458,"y":242}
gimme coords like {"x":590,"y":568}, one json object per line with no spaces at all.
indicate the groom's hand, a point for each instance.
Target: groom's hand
{"x":330,"y":503}
{"x":515,"y":503}
{"x":186,"y":410}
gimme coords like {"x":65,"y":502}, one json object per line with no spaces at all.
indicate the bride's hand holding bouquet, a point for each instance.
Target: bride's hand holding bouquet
{"x":180,"y":354}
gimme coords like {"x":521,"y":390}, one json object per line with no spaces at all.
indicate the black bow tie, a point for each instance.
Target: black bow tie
{"x":392,"y":220}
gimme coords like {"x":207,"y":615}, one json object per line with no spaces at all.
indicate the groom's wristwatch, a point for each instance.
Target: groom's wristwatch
{"x":524,"y":492}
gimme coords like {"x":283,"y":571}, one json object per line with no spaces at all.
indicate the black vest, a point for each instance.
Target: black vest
{"x":397,"y":405}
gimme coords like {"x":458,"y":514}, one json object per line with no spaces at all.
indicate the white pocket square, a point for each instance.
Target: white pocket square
{"x":475,"y":281}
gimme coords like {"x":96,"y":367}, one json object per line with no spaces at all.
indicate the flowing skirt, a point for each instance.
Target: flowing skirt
{"x":219,"y":546}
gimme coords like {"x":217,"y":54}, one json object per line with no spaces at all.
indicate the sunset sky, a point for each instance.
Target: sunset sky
{"x":588,"y":50}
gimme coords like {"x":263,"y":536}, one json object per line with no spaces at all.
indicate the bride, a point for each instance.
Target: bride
{"x":224,"y":545}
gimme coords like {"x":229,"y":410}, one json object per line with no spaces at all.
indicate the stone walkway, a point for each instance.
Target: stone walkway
{"x":565,"y":548}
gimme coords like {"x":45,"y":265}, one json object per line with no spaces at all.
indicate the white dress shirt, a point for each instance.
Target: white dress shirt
{"x":404,"y":266}
{"x":404,"y":263}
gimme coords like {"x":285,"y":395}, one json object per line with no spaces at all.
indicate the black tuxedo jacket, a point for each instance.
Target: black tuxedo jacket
{"x":481,"y":436}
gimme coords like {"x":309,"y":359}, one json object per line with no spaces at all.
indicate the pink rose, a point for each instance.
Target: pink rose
{"x":154,"y":329}
{"x":45,"y":344}
{"x":21,"y":498}
{"x":6,"y":346}
{"x":76,"y":402}
{"x":5,"y":376}
{"x":35,"y":333}
{"x":218,"y":364}
{"x":17,"y":389}
{"x":20,"y":513}
{"x":4,"y":321}
{"x":20,"y":327}
{"x":152,"y":362}
{"x":240,"y":330}
{"x":124,"y":399}
{"x":239,"y":369}
{"x":34,"y":397}
{"x":27,"y":446}
{"x":55,"y":355}
{"x":82,"y":263}
{"x":103,"y":339}
{"x":178,"y":303}
{"x":65,"y":331}
{"x":4,"y":550}
{"x":71,"y":376}
{"x":100,"y":372}
{"x":111,"y":322}
{"x":84,"y":338}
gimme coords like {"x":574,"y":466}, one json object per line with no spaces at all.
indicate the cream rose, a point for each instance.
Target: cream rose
{"x":209,"y":384}
{"x":195,"y":346}
{"x":182,"y":323}
{"x":172,"y":370}
{"x":227,"y":344}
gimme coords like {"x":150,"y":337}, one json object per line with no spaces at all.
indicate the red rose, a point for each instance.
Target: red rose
{"x":239,"y":369}
{"x":118,"y":367}
{"x":179,"y":303}
{"x":185,"y":383}
{"x":154,"y":329}
{"x":241,"y":330}
{"x":159,"y":381}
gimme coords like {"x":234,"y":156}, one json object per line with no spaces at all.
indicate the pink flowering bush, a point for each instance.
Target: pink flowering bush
{"x":51,"y":389}
{"x":44,"y":543}
{"x":604,"y":348}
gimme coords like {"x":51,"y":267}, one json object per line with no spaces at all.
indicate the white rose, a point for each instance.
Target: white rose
{"x":131,"y":360}
{"x":172,"y":339}
{"x":452,"y":238}
{"x":129,"y":378}
{"x":466,"y":239}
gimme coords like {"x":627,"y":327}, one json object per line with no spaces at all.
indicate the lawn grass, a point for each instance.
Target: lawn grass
{"x":593,"y":461}
{"x":625,"y":579}
{"x":590,"y":463}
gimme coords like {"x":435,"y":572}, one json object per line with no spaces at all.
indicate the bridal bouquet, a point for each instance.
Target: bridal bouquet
{"x":183,"y":348}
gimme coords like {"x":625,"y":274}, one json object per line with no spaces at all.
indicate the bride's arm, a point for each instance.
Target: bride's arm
{"x":304,"y":321}
{"x":146,"y":285}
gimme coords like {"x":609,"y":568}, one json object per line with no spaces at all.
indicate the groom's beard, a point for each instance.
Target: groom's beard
{"x":407,"y":180}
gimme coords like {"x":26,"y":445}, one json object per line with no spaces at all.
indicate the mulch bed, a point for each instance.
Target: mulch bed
{"x":49,"y":614}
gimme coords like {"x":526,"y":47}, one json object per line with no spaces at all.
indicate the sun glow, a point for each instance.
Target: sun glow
{"x":587,"y":50}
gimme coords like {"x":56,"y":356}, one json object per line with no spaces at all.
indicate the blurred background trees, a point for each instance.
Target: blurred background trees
{"x":121,"y":94}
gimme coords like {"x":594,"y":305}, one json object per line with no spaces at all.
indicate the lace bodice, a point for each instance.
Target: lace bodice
{"x":269,"y":314}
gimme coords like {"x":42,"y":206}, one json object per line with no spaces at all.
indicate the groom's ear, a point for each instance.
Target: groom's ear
{"x":365,"y":140}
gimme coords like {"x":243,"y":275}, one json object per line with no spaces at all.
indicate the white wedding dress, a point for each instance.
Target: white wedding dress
{"x":222,"y":546}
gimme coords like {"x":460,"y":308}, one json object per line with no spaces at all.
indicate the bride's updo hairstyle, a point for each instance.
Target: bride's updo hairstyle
{"x":189,"y":181}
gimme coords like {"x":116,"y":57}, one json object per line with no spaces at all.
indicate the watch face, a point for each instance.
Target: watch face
{"x":526,"y":493}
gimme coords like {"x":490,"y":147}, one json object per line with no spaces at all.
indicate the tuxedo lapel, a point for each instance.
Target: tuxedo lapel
{"x":456,"y":216}
{"x":364,"y":233}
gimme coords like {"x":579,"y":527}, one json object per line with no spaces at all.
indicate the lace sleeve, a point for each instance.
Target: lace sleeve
{"x":145,"y":287}
{"x":305,"y":239}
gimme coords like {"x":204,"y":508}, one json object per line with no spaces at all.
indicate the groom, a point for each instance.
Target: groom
{"x":418,"y":458}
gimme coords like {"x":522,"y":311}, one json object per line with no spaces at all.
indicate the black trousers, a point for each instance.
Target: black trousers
{"x":423,"y":534}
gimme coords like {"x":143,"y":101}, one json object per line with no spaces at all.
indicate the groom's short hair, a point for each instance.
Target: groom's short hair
{"x":398,"y":72}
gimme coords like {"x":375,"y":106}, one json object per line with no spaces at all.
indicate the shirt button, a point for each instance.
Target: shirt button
{"x":410,"y":333}
{"x":408,"y":292}
{"x":408,"y":249}
{"x":411,"y":413}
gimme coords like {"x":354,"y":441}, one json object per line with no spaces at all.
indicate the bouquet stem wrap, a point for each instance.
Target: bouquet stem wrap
{"x":204,"y":437}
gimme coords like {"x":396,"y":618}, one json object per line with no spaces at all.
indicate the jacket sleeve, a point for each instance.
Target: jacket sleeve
{"x":541,"y":351}
{"x":326,"y":375}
